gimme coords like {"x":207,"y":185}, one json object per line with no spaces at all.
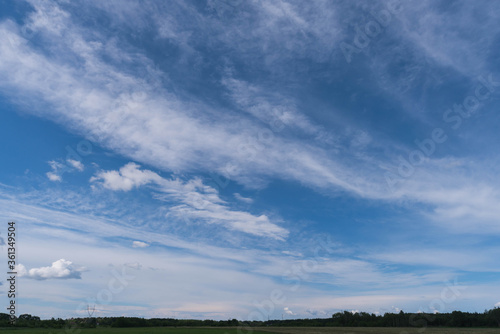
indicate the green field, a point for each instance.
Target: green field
{"x":381,"y":330}
{"x":283,"y":330}
{"x":142,"y":330}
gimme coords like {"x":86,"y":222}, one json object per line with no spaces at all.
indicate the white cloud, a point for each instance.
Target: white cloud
{"x":243,"y":199}
{"x":139,"y":244}
{"x":287,"y":311}
{"x":53,"y":177}
{"x":60,"y":269}
{"x":58,"y":169}
{"x":153,"y":127}
{"x":422,"y":24}
{"x":55,"y":174}
{"x":297,"y":254}
{"x":128,"y":177}
{"x":194,"y":200}
{"x":91,"y":236}
{"x":76,"y":164}
{"x":276,"y":111}
{"x":497,"y":304}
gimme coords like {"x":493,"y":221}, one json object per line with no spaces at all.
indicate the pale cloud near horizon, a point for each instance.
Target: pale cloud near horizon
{"x":258,"y":265}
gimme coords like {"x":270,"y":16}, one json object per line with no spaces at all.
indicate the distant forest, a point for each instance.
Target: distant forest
{"x":489,"y":318}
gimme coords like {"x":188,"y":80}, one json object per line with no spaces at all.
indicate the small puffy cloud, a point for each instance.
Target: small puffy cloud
{"x":128,"y":177}
{"x":55,"y":174}
{"x":139,"y":244}
{"x":60,"y":269}
{"x":75,"y":164}
{"x":287,"y":311}
{"x":243,"y":199}
{"x":395,"y":309}
{"x":53,"y":177}
{"x":58,"y":169}
{"x":20,"y":270}
{"x":497,"y":304}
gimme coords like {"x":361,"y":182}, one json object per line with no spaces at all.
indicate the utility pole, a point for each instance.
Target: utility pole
{"x":90,"y":311}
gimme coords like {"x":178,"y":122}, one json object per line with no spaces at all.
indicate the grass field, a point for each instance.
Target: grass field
{"x":380,"y":330}
{"x":142,"y":330}
{"x":283,"y":330}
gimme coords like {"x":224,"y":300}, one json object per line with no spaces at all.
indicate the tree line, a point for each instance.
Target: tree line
{"x":489,"y":318}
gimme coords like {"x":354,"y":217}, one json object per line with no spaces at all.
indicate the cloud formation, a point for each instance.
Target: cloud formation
{"x":127,"y":178}
{"x":246,"y":200}
{"x":139,"y":244}
{"x":60,"y":269}
{"x":192,"y":199}
{"x":274,"y":137}
{"x":76,"y":164}
{"x":54,"y":175}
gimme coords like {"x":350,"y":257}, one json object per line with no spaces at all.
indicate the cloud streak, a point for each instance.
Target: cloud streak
{"x":194,"y":199}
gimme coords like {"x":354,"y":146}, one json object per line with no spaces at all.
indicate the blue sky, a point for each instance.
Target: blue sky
{"x":244,"y":159}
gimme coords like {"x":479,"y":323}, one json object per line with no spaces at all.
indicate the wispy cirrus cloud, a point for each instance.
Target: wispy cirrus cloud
{"x":58,"y":169}
{"x":194,"y":199}
{"x":357,"y":275}
{"x":243,"y":199}
{"x":131,"y":115}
